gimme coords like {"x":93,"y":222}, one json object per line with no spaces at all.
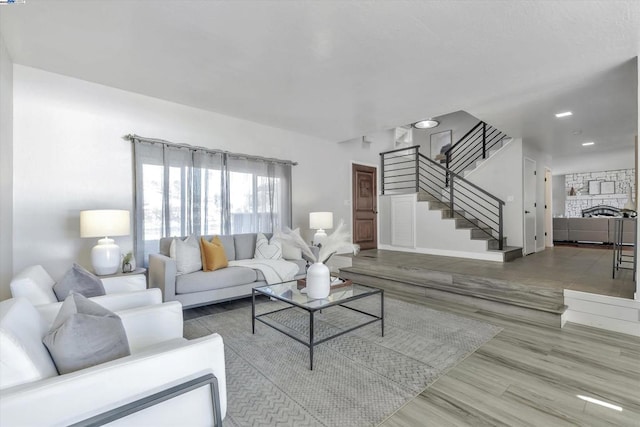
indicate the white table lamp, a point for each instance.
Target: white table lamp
{"x":320,"y":221}
{"x":105,"y":256}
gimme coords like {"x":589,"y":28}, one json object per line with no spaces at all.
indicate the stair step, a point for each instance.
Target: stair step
{"x":466,"y":223}
{"x":493,"y":244}
{"x":436,"y":205}
{"x":507,"y":297}
{"x":509,"y":253}
{"x":481,"y":232}
{"x":426,"y":197}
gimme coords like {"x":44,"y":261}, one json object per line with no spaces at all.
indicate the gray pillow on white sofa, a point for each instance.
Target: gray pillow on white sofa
{"x":85,"y":334}
{"x":79,"y":280}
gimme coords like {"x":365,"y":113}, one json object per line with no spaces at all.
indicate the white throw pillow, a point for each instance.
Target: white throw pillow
{"x":291,"y":252}
{"x":267,"y":249}
{"x":187,"y":254}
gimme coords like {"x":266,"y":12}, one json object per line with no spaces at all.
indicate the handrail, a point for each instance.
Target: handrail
{"x":473,"y":146}
{"x":417,"y":147}
{"x":463,"y":138}
{"x":412,"y":171}
{"x":460,"y":177}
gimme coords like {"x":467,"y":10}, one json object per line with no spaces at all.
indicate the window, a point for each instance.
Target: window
{"x":182,"y":191}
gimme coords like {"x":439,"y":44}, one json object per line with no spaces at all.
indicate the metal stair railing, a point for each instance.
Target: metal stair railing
{"x":473,"y":146}
{"x":407,"y":170}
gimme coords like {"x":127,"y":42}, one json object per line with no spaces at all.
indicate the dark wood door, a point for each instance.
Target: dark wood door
{"x":365,"y":207}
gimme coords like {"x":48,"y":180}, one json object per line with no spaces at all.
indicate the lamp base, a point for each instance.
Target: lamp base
{"x":319,"y":237}
{"x":105,"y":257}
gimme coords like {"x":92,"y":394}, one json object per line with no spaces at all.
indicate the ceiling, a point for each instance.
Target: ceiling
{"x":342,"y":69}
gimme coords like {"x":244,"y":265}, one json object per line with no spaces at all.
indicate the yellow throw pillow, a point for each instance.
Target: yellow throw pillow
{"x":213,"y":255}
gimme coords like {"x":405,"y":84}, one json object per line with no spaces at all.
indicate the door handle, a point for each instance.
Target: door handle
{"x":527,"y":212}
{"x":375,"y":212}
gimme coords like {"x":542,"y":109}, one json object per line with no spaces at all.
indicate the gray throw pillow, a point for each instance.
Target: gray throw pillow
{"x":79,"y":280}
{"x":85,"y":334}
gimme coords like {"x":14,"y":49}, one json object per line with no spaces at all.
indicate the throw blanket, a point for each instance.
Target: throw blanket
{"x":273,"y":270}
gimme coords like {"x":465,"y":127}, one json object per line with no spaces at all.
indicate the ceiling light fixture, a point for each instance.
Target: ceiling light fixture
{"x":426,"y":124}
{"x":586,"y":144}
{"x":565,"y":114}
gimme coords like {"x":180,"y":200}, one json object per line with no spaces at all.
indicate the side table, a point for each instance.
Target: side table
{"x":139,"y":270}
{"x":133,"y":278}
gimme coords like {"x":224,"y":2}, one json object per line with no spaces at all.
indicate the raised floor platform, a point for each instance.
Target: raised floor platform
{"x":529,"y":288}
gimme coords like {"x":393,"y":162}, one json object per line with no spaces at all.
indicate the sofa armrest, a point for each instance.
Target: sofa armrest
{"x":162,"y":275}
{"x":74,"y":397}
{"x":152,"y":324}
{"x":113,"y":302}
{"x":127,"y":283}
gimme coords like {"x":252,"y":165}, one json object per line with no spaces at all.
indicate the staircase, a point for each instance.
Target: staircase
{"x":465,"y":210}
{"x":474,"y":148}
{"x":478,"y":232}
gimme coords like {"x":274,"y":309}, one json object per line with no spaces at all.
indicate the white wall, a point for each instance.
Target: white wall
{"x":598,"y":161}
{"x":6,"y":170}
{"x":459,"y":122}
{"x":70,"y":155}
{"x":502,"y":177}
{"x":559,"y":194}
{"x":543,"y":161}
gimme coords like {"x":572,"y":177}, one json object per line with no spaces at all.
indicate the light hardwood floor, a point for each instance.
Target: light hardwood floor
{"x":525,"y":376}
{"x":532,"y":376}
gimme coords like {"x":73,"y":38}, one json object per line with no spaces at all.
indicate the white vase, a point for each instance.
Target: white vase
{"x":318,"y":281}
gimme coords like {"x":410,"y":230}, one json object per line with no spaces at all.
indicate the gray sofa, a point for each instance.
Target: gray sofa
{"x":200,"y":287}
{"x":599,"y":230}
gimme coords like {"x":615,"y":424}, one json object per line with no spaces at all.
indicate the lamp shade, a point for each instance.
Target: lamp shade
{"x":104,"y":223}
{"x":320,"y":220}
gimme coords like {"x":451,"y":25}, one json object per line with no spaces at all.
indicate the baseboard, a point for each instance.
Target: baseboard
{"x":602,"y":311}
{"x":489,"y":256}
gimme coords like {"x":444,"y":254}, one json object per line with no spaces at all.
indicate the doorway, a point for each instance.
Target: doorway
{"x":548,"y":208}
{"x":364,"y":206}
{"x":530,"y":189}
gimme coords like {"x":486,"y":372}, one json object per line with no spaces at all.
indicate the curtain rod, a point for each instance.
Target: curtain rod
{"x":134,"y":137}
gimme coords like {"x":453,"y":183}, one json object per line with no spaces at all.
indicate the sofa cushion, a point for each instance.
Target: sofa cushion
{"x":245,"y":245}
{"x":223,"y":278}
{"x":79,"y":280}
{"x":85,"y":334}
{"x":34,"y":284}
{"x":267,"y":249}
{"x":229,"y":246}
{"x":165,"y":244}
{"x":291,"y":252}
{"x":23,"y":356}
{"x":213,"y":254}
{"x":187,"y":254}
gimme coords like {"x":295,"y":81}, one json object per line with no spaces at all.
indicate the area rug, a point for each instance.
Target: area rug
{"x":358,"y":379}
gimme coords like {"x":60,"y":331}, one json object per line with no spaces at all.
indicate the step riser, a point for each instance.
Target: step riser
{"x":499,"y":308}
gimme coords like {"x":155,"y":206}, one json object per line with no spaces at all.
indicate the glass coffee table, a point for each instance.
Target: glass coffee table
{"x":289,"y":293}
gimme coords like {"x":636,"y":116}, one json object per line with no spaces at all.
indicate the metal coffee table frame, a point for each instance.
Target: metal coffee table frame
{"x":311,"y":306}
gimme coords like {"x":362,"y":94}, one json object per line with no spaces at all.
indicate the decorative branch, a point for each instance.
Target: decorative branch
{"x":293,"y":238}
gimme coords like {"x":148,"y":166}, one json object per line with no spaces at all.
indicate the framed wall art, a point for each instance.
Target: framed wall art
{"x":594,"y":187}
{"x":440,"y":143}
{"x":608,"y":187}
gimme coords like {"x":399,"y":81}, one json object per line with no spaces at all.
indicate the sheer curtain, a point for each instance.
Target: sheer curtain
{"x":182,"y":190}
{"x":259,"y":195}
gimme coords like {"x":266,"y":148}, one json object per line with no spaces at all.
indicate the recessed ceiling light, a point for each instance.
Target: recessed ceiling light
{"x":426,"y":124}
{"x":565,"y":114}
{"x":586,"y":144}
